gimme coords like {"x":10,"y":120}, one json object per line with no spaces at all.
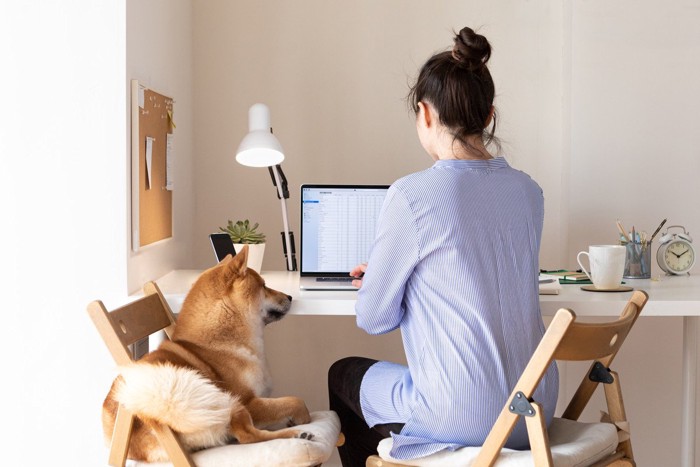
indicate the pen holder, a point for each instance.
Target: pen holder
{"x":637,"y":260}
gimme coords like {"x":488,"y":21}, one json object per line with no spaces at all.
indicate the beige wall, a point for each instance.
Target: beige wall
{"x":335,"y":75}
{"x":159,"y":56}
{"x":635,"y":94}
{"x":597,"y":102}
{"x":634,"y":91}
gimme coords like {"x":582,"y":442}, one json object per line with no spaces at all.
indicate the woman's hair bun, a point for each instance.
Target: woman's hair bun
{"x":472,"y":50}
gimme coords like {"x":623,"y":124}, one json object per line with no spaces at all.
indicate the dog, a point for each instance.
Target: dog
{"x":210,"y":383}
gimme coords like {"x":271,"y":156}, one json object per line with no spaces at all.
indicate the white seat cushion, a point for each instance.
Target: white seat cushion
{"x":573,"y":444}
{"x":291,"y":452}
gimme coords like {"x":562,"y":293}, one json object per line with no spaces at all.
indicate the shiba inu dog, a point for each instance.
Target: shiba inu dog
{"x":210,"y":382}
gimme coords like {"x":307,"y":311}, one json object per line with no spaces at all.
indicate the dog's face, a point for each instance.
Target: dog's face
{"x":273,"y":304}
{"x":231,"y":294}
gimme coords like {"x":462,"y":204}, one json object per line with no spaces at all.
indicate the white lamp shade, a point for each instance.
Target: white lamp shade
{"x":259,"y":148}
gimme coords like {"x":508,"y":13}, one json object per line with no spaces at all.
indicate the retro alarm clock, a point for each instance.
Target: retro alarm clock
{"x":676,"y":254}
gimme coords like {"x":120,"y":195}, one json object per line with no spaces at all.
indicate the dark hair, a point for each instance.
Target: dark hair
{"x":459,"y":86}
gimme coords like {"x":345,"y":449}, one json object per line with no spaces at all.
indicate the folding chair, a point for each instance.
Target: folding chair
{"x":129,"y":324}
{"x":566,"y":442}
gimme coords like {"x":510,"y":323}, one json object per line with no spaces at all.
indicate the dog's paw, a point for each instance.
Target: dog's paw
{"x":305,"y":435}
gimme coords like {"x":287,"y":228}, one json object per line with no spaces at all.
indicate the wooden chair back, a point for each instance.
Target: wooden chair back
{"x":567,"y":340}
{"x":120,"y":329}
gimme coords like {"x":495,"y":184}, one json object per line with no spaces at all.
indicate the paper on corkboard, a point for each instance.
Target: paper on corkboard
{"x":152,"y":201}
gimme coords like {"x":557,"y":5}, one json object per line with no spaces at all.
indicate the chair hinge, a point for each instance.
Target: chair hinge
{"x":520,"y":405}
{"x":600,"y":374}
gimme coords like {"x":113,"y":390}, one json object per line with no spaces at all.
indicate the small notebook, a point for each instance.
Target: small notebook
{"x":549,"y":284}
{"x":569,"y":277}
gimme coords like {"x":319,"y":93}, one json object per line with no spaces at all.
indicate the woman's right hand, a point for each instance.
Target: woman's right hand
{"x":357,"y":272}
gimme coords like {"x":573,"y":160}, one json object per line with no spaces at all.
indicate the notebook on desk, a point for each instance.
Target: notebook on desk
{"x":338,"y":225}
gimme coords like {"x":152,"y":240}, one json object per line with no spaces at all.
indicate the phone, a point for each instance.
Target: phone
{"x":222,"y":244}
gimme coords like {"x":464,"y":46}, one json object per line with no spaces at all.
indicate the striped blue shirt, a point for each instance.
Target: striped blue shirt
{"x":455,"y":267}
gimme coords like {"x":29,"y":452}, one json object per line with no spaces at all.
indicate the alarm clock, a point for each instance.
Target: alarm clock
{"x":676,"y":254}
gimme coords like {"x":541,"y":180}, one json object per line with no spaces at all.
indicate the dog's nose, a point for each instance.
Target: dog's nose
{"x":289,"y":297}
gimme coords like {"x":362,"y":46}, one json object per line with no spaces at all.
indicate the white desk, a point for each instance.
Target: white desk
{"x":671,"y":296}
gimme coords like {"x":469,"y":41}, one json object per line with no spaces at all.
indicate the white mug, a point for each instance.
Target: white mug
{"x":607,"y":264}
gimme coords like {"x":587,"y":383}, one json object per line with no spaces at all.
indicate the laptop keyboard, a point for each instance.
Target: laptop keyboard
{"x":334,"y":279}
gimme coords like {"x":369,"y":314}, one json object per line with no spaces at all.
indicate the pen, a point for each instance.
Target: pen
{"x":657,"y":230}
{"x":622,"y":231}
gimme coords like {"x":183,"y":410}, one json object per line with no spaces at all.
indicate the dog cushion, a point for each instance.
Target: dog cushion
{"x":573,"y":444}
{"x":291,"y":452}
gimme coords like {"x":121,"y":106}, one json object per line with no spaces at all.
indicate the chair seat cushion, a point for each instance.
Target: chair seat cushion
{"x":573,"y":444}
{"x":291,"y":452}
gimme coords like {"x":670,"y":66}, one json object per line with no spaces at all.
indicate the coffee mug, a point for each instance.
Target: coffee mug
{"x":607,"y":264}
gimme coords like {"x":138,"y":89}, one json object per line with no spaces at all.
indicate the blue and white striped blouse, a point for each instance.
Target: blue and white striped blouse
{"x":455,"y":267}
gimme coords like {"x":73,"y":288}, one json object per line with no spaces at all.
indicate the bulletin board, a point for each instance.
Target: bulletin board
{"x":151,"y":166}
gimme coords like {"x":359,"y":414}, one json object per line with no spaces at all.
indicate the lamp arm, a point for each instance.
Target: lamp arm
{"x":283,"y":194}
{"x":279,"y":180}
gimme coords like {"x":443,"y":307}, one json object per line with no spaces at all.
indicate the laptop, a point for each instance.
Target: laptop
{"x":338,"y":226}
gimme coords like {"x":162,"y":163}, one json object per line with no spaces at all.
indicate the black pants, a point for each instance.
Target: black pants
{"x":344,"y":379}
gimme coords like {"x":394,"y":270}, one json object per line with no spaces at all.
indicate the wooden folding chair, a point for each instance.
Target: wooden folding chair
{"x":139,"y":319}
{"x":566,"y":441}
{"x":120,"y":329}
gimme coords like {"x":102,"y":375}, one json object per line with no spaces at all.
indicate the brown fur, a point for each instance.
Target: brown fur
{"x":219,"y":334}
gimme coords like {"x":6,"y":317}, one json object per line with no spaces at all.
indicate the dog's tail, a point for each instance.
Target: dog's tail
{"x":175,"y":396}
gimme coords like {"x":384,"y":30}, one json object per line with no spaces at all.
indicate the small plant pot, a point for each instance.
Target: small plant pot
{"x":256,"y":252}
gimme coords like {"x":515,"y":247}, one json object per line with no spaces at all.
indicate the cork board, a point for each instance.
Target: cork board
{"x":152,"y":197}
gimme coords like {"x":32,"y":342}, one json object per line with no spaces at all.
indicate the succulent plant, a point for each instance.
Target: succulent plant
{"x":242,"y":232}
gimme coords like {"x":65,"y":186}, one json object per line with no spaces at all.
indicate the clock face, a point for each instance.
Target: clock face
{"x":679,"y":256}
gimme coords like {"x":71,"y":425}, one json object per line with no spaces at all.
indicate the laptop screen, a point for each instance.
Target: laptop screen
{"x":338,"y":226}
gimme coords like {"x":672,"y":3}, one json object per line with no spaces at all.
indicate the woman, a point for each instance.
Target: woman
{"x":455,"y":267}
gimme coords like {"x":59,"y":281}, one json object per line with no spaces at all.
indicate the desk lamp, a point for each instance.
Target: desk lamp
{"x":260,"y":148}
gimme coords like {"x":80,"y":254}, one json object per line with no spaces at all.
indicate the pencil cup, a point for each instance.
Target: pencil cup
{"x":637,"y":260}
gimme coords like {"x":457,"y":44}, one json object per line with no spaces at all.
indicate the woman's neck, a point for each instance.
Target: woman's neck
{"x":450,"y":148}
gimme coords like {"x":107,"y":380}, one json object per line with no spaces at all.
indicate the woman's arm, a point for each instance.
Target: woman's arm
{"x":394,"y":255}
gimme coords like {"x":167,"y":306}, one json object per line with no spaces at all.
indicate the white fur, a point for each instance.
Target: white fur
{"x":257,"y":376}
{"x":180,"y":398}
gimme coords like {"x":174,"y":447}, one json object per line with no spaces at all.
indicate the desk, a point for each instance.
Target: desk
{"x":671,"y":296}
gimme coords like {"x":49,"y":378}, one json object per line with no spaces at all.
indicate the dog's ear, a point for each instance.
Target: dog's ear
{"x":239,"y":262}
{"x":233,"y":266}
{"x":226,"y":259}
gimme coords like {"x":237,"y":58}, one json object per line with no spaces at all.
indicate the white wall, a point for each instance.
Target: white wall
{"x":64,"y":209}
{"x":64,"y":192}
{"x":159,"y":56}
